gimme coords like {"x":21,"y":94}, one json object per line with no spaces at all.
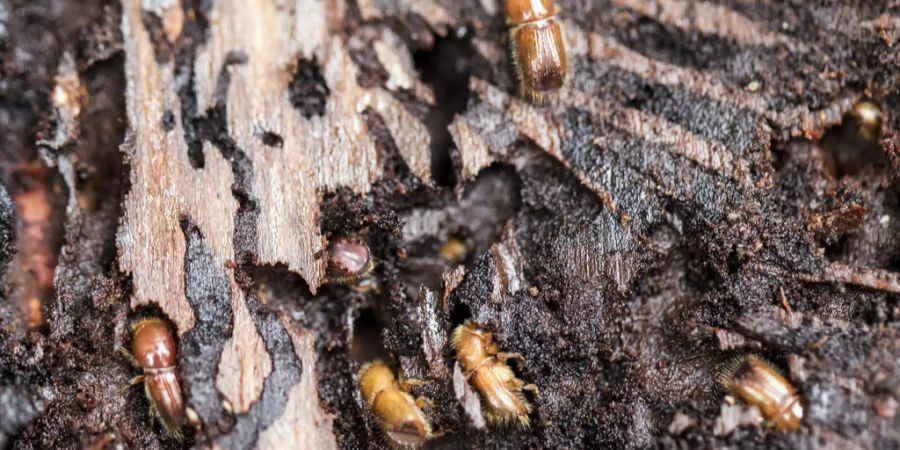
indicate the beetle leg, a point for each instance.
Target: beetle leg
{"x":506,"y":356}
{"x":407,"y":383}
{"x":423,"y":402}
{"x":533,"y":389}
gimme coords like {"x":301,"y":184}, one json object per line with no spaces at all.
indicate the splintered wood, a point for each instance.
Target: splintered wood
{"x":303,"y":419}
{"x":165,"y":190}
{"x":245,"y":65}
{"x":316,"y":154}
{"x":164,"y":186}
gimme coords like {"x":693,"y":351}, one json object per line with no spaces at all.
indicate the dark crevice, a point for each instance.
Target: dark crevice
{"x":193,"y":36}
{"x":371,"y":73}
{"x":168,"y":122}
{"x":286,"y":372}
{"x":366,"y":345}
{"x":850,"y":150}
{"x":392,"y":162}
{"x":212,"y":127}
{"x":446,"y":68}
{"x":275,"y":285}
{"x":99,"y":190}
{"x":162,"y":48}
{"x":307,"y":90}
{"x":459,"y":314}
{"x":326,"y":315}
{"x":271,"y":139}
{"x":208,"y":292}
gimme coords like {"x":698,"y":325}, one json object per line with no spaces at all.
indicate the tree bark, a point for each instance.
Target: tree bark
{"x":702,"y":187}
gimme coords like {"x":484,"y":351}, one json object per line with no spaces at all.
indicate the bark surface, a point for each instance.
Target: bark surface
{"x":700,"y":189}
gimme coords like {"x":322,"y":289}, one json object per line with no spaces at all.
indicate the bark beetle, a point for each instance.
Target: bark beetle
{"x":699,"y":190}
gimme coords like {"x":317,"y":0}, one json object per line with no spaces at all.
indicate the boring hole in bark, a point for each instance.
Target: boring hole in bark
{"x":446,"y":67}
{"x":271,"y":139}
{"x":367,"y":330}
{"x":275,"y":285}
{"x":195,"y":155}
{"x":834,"y":251}
{"x":852,"y":148}
{"x":168,"y":120}
{"x":307,"y":90}
{"x":459,"y":313}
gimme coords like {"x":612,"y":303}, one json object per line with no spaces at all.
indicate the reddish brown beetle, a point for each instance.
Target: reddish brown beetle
{"x":154,"y":350}
{"x":537,"y":47}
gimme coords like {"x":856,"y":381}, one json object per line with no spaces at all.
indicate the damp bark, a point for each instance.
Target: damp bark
{"x":699,"y":190}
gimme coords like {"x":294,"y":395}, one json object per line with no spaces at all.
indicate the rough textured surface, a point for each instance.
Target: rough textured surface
{"x":699,"y":189}
{"x":7,"y":228}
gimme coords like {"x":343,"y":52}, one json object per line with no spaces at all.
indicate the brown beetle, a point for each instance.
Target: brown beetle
{"x":537,"y":47}
{"x":154,"y":350}
{"x":759,"y":383}
{"x":403,"y":423}
{"x":349,"y":260}
{"x":484,"y":366}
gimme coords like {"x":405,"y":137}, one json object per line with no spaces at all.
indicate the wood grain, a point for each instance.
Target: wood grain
{"x":256,"y":50}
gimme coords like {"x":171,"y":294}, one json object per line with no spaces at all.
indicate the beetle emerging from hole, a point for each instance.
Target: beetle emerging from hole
{"x":154,"y":350}
{"x":403,"y":422}
{"x":349,"y":260}
{"x":485,"y":368}
{"x":868,"y":118}
{"x":759,"y":383}
{"x":537,"y":47}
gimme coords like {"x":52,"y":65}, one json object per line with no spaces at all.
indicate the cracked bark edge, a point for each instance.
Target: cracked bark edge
{"x":177,"y":233}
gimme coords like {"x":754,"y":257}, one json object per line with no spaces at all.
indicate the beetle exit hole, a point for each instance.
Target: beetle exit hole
{"x":308,"y":91}
{"x":446,"y":68}
{"x":367,"y":345}
{"x":853,"y":147}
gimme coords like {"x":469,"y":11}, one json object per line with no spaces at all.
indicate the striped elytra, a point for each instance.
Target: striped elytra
{"x":154,"y":350}
{"x":537,"y":47}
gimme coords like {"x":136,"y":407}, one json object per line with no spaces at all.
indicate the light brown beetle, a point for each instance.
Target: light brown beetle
{"x":154,"y":350}
{"x":757,"y":382}
{"x":537,"y":47}
{"x":398,"y":414}
{"x":349,"y":260}
{"x":484,"y":366}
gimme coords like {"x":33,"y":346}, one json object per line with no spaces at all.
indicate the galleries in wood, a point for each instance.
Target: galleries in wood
{"x":402,"y":421}
{"x":537,"y":47}
{"x":154,"y":350}
{"x":759,"y":383}
{"x":485,"y":368}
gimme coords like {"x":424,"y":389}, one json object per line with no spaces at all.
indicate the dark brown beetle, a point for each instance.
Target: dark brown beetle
{"x":154,"y":350}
